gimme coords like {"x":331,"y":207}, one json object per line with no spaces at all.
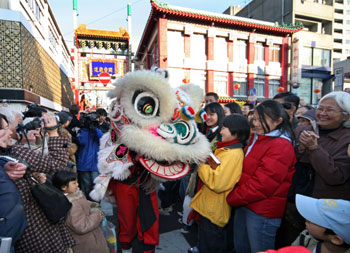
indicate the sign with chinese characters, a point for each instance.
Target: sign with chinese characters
{"x":339,"y":79}
{"x":97,"y":67}
{"x":115,"y":68}
{"x":296,"y":62}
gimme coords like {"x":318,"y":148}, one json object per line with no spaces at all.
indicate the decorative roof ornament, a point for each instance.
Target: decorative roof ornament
{"x":83,"y":31}
{"x":223,"y":18}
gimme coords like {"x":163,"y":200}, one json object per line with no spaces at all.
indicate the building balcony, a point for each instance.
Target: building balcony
{"x":337,"y":45}
{"x":339,"y":6}
{"x":338,"y":26}
{"x":312,"y":9}
{"x":321,"y":40}
{"x":339,"y":36}
{"x":338,"y":16}
{"x":337,"y":55}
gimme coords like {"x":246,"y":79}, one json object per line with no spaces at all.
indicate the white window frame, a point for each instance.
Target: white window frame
{"x":259,"y":85}
{"x":176,"y":48}
{"x":238,"y":53}
{"x":199,"y":77}
{"x":220,"y":83}
{"x":259,"y":48}
{"x":220,"y":49}
{"x":272,"y":50}
{"x":241,"y":79}
{"x":273,"y":85}
{"x":198,"y":47}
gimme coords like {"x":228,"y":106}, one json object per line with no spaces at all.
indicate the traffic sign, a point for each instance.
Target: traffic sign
{"x":252,"y":92}
{"x":252,"y":98}
{"x":104,"y":78}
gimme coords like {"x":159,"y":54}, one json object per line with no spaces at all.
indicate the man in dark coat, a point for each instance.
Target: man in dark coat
{"x":12,"y":214}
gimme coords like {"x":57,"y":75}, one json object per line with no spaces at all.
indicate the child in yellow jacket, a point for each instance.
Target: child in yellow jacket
{"x":219,"y":178}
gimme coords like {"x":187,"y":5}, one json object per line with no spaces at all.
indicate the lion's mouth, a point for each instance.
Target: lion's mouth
{"x":164,"y":169}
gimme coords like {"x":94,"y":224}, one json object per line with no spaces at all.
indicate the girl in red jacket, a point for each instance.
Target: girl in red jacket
{"x":268,"y":168}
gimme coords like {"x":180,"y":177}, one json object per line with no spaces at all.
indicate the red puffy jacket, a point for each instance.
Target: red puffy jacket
{"x":266,"y":178}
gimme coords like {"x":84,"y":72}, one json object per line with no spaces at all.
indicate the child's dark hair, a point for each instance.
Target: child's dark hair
{"x":238,"y":124}
{"x":74,"y":109}
{"x":251,"y":106}
{"x":213,"y":94}
{"x":215,"y":108}
{"x":101,"y":112}
{"x":233,"y":107}
{"x":288,"y":97}
{"x":63,"y":177}
{"x":275,"y":110}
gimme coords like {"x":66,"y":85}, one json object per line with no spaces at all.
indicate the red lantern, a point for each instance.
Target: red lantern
{"x":237,"y":86}
{"x":186,"y":80}
{"x":280,"y":89}
{"x":317,"y":90}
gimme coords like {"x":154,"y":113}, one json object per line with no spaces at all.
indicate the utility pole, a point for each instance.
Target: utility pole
{"x":76,"y":60}
{"x":75,"y":14}
{"x":129,"y":31}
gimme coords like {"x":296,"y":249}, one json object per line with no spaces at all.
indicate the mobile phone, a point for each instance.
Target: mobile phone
{"x":215,"y":158}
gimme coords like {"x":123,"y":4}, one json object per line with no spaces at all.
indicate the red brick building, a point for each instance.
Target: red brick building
{"x":217,"y":51}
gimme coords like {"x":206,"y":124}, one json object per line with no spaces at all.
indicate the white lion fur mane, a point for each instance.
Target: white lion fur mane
{"x":195,"y":92}
{"x":146,"y":81}
{"x":136,"y":133}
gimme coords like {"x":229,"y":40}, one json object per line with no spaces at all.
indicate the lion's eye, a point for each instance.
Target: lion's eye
{"x":146,"y":104}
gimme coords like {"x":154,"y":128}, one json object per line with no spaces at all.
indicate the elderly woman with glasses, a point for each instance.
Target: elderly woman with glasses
{"x":323,"y":167}
{"x":327,"y":152}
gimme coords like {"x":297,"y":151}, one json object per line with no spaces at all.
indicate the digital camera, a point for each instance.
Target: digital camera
{"x":32,"y":125}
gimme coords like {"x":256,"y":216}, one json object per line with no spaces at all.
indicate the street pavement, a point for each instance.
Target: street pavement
{"x":171,"y":240}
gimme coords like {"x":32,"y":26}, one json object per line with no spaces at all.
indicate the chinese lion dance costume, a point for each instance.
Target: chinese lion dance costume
{"x":154,"y":138}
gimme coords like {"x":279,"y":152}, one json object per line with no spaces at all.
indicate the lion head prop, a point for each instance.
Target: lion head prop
{"x":148,"y":127}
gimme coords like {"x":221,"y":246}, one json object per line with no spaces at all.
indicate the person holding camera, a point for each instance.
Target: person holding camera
{"x":12,"y":214}
{"x":40,"y":235}
{"x":65,"y":119}
{"x":103,"y":125}
{"x":14,"y":118}
{"x":89,"y":138}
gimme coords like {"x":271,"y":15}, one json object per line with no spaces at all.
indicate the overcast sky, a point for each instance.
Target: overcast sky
{"x":112,"y":14}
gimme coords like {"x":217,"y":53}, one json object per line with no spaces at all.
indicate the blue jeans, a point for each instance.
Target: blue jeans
{"x":253,"y":232}
{"x":182,"y":188}
{"x":86,"y":181}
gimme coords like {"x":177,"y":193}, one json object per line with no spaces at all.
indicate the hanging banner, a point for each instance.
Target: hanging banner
{"x":339,"y":79}
{"x":296,"y":62}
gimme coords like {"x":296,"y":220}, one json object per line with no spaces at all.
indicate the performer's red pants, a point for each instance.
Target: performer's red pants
{"x":127,"y":199}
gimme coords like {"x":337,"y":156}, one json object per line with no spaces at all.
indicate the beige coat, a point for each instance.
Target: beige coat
{"x":84,"y":222}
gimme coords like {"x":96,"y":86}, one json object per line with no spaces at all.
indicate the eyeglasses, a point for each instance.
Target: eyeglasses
{"x":327,"y":110}
{"x":287,"y":106}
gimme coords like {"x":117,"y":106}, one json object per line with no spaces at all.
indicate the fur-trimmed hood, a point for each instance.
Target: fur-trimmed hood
{"x":76,"y":195}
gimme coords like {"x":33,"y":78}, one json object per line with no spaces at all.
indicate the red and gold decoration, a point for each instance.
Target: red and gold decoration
{"x":186,"y":80}
{"x":237,"y":86}
{"x":280,"y":89}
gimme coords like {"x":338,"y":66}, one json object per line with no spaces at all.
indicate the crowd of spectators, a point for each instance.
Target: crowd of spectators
{"x":279,"y":175}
